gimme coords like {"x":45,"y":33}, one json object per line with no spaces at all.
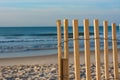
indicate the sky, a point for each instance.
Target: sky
{"x":46,"y":12}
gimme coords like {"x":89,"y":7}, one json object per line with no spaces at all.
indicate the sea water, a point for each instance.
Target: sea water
{"x":35,"y":41}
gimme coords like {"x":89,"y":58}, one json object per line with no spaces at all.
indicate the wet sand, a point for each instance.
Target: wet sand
{"x":52,"y":59}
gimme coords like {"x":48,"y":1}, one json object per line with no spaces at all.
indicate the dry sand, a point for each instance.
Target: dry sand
{"x":45,"y":67}
{"x":51,"y":59}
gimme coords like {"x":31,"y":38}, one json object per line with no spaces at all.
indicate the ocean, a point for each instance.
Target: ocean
{"x":35,"y":41}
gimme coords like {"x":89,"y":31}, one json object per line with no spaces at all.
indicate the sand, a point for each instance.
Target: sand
{"x":45,"y":67}
{"x":51,"y":59}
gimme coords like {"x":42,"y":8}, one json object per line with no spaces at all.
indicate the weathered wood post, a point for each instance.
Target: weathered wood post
{"x":76,"y":50}
{"x":105,"y":28}
{"x":66,"y":51}
{"x":66,"y":55}
{"x":97,"y":49}
{"x":65,"y":69}
{"x":59,"y":50}
{"x":115,"y":54}
{"x":87,"y":48}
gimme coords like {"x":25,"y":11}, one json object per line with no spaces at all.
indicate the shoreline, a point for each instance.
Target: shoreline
{"x":52,"y":59}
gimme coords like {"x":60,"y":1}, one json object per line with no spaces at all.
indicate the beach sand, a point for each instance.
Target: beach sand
{"x":52,"y":59}
{"x":45,"y":67}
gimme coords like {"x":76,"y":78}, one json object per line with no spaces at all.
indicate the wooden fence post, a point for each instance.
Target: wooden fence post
{"x":76,"y":50}
{"x":87,"y":48}
{"x":59,"y":50}
{"x":66,"y":55}
{"x":115,"y":54}
{"x":105,"y":27}
{"x":65,"y":69}
{"x":66,"y":52}
{"x":97,"y":49}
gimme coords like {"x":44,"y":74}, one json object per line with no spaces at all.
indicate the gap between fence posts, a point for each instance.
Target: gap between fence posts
{"x":87,"y":48}
{"x":115,"y":54}
{"x":97,"y":49}
{"x":106,"y":67}
{"x":76,"y":50}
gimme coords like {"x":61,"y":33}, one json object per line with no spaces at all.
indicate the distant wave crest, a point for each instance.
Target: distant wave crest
{"x":43,"y":34}
{"x":25,"y":40}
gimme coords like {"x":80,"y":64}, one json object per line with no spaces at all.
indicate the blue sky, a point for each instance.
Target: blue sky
{"x":46,"y":12}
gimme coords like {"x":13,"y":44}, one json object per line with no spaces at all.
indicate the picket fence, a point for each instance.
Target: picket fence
{"x":63,"y":60}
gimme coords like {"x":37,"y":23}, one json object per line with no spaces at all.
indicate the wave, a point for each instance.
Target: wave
{"x":45,"y":39}
{"x":42,"y":46}
{"x":43,"y":34}
{"x":34,"y":37}
{"x":42,"y":43}
{"x":51,"y":34}
{"x":25,"y":40}
{"x":13,"y":47}
{"x":22,"y":48}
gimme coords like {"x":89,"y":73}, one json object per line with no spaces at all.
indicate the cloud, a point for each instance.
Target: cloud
{"x":60,"y":3}
{"x":45,"y":12}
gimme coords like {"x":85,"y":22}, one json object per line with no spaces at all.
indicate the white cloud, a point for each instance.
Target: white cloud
{"x":51,"y":10}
